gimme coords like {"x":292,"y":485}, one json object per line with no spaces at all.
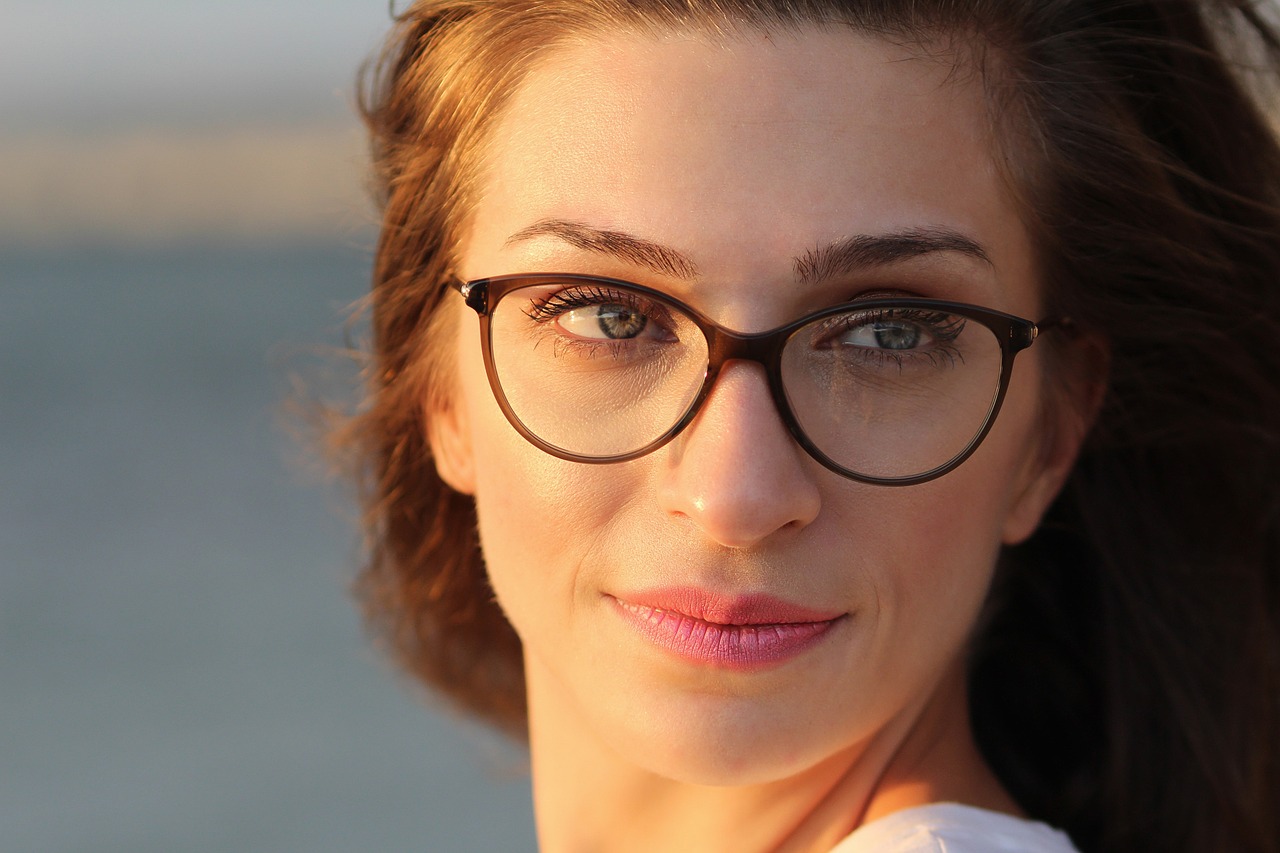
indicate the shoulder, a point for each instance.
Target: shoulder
{"x":953,"y":828}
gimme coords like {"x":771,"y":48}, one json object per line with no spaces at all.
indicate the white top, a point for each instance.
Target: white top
{"x":953,"y":828}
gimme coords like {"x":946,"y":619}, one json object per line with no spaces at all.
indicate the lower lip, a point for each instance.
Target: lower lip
{"x":739,"y":647}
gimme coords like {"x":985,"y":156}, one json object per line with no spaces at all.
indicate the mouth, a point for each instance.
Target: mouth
{"x":742,"y":633}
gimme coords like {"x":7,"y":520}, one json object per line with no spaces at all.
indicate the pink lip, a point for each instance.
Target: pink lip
{"x":733,"y":632}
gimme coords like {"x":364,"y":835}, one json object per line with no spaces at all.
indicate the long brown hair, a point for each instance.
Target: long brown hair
{"x":1126,"y":678}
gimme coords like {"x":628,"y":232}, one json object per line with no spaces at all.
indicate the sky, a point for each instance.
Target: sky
{"x":147,"y":122}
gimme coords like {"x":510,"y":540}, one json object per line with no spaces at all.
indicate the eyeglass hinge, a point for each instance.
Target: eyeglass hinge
{"x":476,"y":295}
{"x":1024,"y":336}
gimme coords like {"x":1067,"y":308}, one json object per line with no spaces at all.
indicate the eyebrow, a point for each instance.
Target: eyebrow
{"x":864,"y":251}
{"x":844,"y":256}
{"x":635,"y":250}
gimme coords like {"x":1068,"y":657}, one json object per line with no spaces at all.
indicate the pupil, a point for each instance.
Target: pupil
{"x":618,"y":321}
{"x":896,"y":335}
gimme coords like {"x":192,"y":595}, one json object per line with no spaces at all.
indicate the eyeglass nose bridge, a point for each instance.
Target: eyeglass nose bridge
{"x":762,"y":348}
{"x":725,"y":345}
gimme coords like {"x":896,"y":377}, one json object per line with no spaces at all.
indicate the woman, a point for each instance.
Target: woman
{"x":762,"y":568}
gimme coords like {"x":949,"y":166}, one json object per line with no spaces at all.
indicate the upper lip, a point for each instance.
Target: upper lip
{"x":727,"y":609}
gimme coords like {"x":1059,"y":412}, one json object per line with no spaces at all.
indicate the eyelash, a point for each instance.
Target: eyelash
{"x":563,"y":301}
{"x":942,"y":327}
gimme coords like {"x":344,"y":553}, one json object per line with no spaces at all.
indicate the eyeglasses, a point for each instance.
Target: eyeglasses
{"x":892,"y":391}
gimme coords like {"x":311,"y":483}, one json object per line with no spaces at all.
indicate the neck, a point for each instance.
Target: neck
{"x":590,"y":800}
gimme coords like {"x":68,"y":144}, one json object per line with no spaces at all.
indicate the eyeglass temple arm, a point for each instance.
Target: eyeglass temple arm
{"x":1066,"y":324}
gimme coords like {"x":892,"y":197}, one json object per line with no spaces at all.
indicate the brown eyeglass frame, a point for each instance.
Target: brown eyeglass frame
{"x":764,"y":348}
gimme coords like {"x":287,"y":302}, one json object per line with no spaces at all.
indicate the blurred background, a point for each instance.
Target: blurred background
{"x":182,"y":225}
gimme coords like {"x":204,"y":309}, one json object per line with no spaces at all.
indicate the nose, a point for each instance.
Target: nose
{"x":736,"y":472}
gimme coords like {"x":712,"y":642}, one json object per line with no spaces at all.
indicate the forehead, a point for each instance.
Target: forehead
{"x":744,"y":150}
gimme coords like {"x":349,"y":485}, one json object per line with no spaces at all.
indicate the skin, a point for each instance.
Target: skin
{"x":741,"y":154}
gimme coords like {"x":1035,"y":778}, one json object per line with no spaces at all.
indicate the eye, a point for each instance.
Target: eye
{"x":894,"y":336}
{"x":602,"y":314}
{"x":892,"y":329}
{"x":889,"y":334}
{"x":611,"y":320}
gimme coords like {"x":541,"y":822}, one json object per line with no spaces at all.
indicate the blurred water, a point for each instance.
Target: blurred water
{"x":180,"y":668}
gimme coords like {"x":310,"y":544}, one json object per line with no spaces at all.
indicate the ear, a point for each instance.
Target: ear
{"x":449,"y":434}
{"x":1075,"y":394}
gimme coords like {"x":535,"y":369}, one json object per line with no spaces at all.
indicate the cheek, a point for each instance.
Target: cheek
{"x":931,"y":555}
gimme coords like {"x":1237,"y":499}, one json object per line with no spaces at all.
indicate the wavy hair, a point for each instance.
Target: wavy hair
{"x":1125,"y":679}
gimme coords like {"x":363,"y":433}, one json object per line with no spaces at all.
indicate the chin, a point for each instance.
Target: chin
{"x":719,"y":742}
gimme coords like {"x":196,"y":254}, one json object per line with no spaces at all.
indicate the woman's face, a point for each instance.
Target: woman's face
{"x":629,"y":583}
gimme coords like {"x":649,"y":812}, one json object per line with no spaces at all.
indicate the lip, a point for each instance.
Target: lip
{"x":736,"y":632}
